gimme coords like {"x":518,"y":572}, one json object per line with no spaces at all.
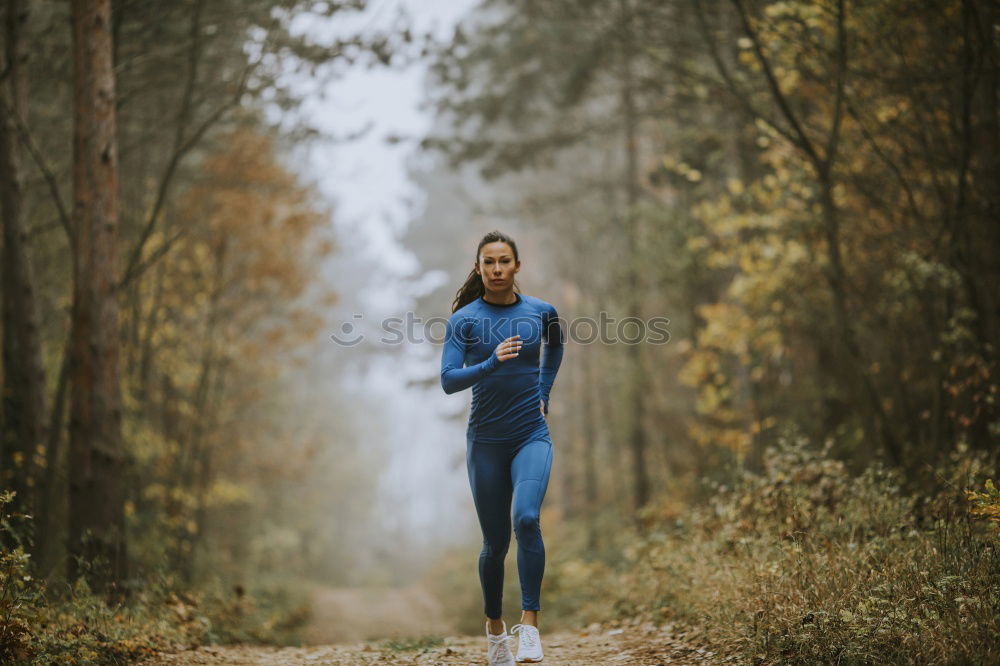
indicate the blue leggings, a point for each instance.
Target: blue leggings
{"x":499,"y":473}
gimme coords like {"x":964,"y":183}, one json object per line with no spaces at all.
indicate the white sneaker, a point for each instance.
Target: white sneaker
{"x":529,"y":644}
{"x":497,"y":649}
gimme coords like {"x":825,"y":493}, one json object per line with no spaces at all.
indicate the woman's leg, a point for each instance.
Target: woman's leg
{"x":530,"y":476}
{"x":489,"y":477}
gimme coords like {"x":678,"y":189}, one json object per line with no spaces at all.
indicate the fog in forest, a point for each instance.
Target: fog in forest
{"x":759,"y":237}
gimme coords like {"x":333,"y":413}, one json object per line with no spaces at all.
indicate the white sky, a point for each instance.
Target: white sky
{"x":426,"y":494}
{"x":367,"y":177}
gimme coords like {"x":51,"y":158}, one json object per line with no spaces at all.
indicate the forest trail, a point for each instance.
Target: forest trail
{"x":351,"y":615}
{"x":356,"y":626}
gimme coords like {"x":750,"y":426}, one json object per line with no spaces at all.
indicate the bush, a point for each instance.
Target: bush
{"x":986,"y":504}
{"x":808,"y":563}
{"x":19,"y":592}
{"x":72,"y":625}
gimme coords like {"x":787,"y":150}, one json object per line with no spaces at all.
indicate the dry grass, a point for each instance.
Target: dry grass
{"x":809,"y":564}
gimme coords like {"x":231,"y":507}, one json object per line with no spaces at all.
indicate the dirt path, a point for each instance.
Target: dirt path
{"x":353,"y":626}
{"x":350,"y":615}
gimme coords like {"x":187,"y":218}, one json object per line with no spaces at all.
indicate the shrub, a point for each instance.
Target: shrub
{"x":986,"y":504}
{"x":70,"y":624}
{"x":809,"y":563}
{"x":19,"y":592}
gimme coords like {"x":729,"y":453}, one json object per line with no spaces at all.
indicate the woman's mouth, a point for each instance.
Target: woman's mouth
{"x":496,"y":280}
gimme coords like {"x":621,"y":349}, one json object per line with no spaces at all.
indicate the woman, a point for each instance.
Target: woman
{"x":493,"y":342}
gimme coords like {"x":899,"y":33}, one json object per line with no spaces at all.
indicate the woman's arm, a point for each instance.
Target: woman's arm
{"x":552,"y":333}
{"x":455,"y":377}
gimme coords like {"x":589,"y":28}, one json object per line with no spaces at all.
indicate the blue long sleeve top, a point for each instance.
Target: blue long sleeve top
{"x":505,"y":394}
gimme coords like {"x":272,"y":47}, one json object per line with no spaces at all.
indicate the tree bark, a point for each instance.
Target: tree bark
{"x":590,"y":497}
{"x":49,"y":493}
{"x":637,"y":434}
{"x":24,"y":429}
{"x":96,"y":487}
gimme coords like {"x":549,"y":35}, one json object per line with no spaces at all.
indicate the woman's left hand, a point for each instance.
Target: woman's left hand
{"x":541,"y":408}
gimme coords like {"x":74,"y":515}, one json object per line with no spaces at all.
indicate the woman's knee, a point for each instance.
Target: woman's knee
{"x":495,"y":549}
{"x":526,"y":523}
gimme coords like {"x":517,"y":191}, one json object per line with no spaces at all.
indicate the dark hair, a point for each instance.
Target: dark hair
{"x":473,"y":287}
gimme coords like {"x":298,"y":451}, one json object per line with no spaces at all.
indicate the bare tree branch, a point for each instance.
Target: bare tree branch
{"x":189,"y":143}
{"x":50,"y":178}
{"x":742,"y":97}
{"x":802,"y":140}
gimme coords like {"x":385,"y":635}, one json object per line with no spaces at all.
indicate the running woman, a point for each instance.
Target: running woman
{"x":493,"y":344}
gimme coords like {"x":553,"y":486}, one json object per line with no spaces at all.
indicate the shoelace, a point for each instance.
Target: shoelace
{"x":527,"y":633}
{"x":497,"y":640}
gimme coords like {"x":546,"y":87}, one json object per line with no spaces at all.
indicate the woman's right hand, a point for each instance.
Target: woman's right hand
{"x":508,"y":348}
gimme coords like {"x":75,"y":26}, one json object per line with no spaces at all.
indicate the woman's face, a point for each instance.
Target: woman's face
{"x":497,"y":266}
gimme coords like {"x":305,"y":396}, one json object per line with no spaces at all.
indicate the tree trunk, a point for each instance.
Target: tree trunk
{"x":96,"y":487}
{"x":589,"y":406}
{"x":49,"y":492}
{"x":636,"y":372}
{"x":24,"y":430}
